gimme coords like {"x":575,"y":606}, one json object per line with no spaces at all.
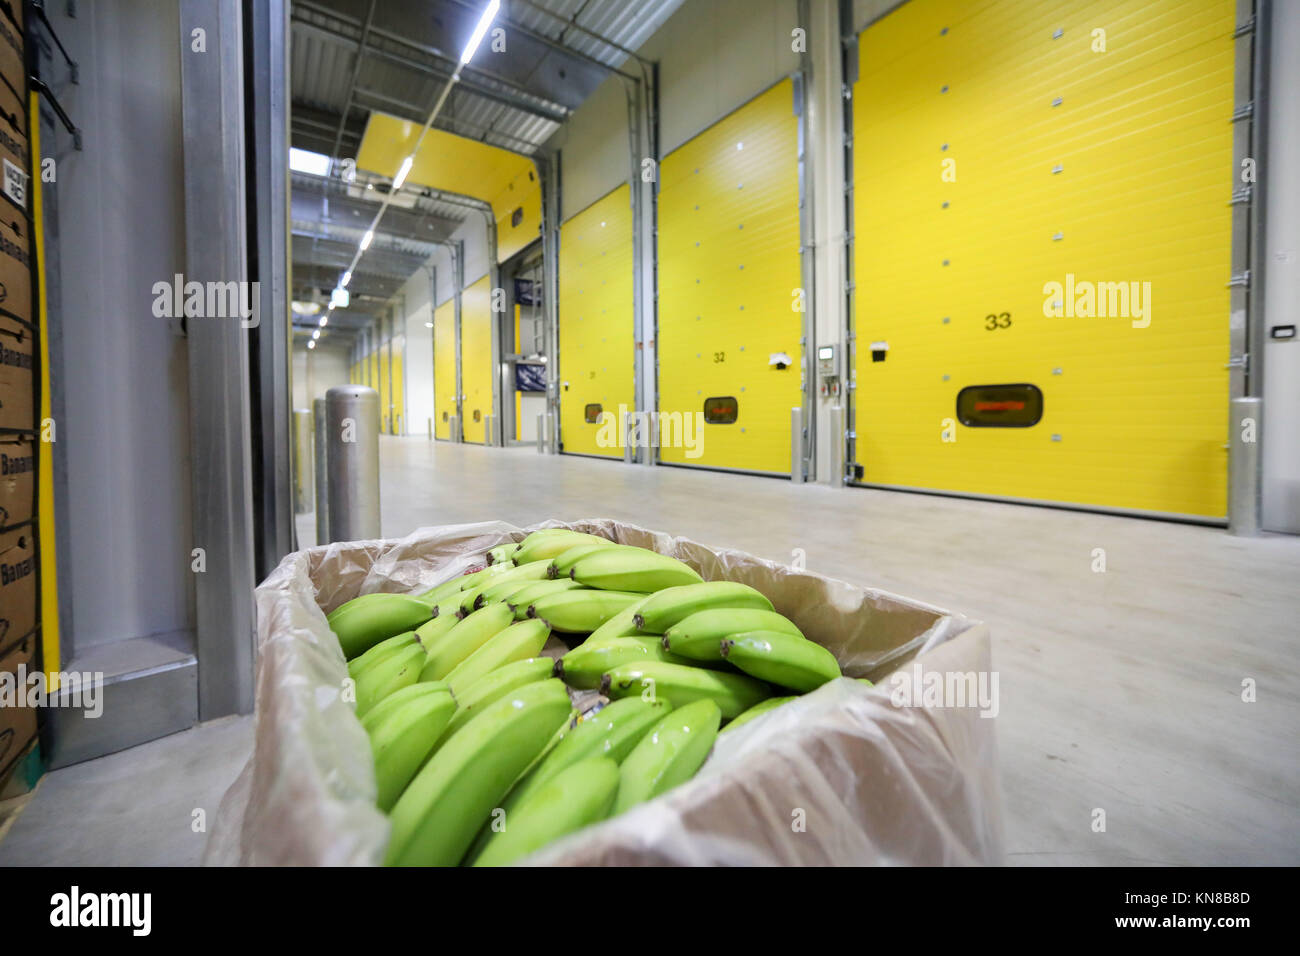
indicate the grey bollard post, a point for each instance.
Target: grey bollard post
{"x":322,"y":474}
{"x":302,"y":461}
{"x":352,"y":463}
{"x":1244,"y":428}
{"x":541,"y":434}
{"x":796,"y":444}
{"x":490,"y":430}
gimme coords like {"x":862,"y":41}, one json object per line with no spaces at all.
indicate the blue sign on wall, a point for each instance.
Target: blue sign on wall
{"x":530,"y":378}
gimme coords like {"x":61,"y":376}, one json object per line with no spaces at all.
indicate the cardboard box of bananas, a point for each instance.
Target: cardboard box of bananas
{"x":554,"y":686}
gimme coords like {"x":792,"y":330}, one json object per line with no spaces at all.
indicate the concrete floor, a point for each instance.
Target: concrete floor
{"x":1119,"y":690}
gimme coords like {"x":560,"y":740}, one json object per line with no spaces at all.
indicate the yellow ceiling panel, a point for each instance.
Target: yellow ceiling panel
{"x":506,"y":180}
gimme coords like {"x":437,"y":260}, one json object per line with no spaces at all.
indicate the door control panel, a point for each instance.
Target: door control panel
{"x":828,"y":371}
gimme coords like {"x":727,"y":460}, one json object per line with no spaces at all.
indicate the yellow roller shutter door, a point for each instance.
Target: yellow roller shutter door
{"x":1020,"y":171}
{"x":476,"y":359}
{"x":398,"y":418}
{"x":444,"y":368}
{"x":596,"y":344}
{"x":728,"y":273}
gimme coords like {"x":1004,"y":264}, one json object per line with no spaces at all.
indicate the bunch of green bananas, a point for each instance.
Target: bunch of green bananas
{"x":480,"y":757}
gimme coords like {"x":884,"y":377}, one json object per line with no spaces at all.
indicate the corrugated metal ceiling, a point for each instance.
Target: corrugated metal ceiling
{"x":557,"y":53}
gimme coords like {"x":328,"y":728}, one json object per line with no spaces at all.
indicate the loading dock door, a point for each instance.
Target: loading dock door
{"x":398,"y":418}
{"x":596,"y":345}
{"x":999,"y":148}
{"x":476,"y":359}
{"x":729,"y":277}
{"x":444,"y":368}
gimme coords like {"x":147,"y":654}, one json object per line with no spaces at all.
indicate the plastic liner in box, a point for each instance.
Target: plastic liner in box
{"x":842,"y":776}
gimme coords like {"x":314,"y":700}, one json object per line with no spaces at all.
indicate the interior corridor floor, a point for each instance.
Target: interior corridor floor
{"x":1120,"y":690}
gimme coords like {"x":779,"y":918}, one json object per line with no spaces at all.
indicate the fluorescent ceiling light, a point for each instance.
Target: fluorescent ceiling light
{"x":324,"y":320}
{"x":428,"y":325}
{"x":315,"y":335}
{"x":365,"y":242}
{"x":306,"y":308}
{"x":484,"y":22}
{"x":347,"y":277}
{"x":401,"y":173}
{"x":305,"y":161}
{"x":311,"y":345}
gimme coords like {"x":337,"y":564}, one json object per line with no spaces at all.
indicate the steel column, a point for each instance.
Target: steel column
{"x":212,"y":94}
{"x":271,"y":341}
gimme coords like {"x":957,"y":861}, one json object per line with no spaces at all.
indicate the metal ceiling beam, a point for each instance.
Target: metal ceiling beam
{"x":404,"y":110}
{"x":558,"y":45}
{"x":328,"y":250}
{"x":308,"y":203}
{"x":314,"y":276}
{"x":352,"y":83}
{"x":573,"y":22}
{"x":510,"y":93}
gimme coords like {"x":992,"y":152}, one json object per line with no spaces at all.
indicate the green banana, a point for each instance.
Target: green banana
{"x":699,"y":636}
{"x":502,"y":554}
{"x":781,"y":658}
{"x":552,"y":542}
{"x":673,"y":605}
{"x":381,"y":651}
{"x":449,"y":607}
{"x":563,"y":563}
{"x":360,"y":601}
{"x":516,"y":642}
{"x":376,"y":683}
{"x":680,"y":684}
{"x":363,"y":622}
{"x":580,"y":611}
{"x":668,"y":755}
{"x":501,"y":584}
{"x":402,"y":740}
{"x":611,"y":732}
{"x":622,"y":624}
{"x":520,"y":601}
{"x":397,"y":698}
{"x":464,"y":639}
{"x":493,"y":686}
{"x":485,"y":832}
{"x":758,"y":710}
{"x":632,"y":569}
{"x":453,"y":586}
{"x":576,"y":797}
{"x":437,"y":817}
{"x":583,"y":666}
{"x":429,"y":634}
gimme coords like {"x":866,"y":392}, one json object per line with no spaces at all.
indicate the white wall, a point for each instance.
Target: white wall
{"x":117,"y":225}
{"x":416,"y":294}
{"x":594,"y":148}
{"x":316,"y":371}
{"x":473,"y":232}
{"x":716,"y":55}
{"x":1281,"y":261}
